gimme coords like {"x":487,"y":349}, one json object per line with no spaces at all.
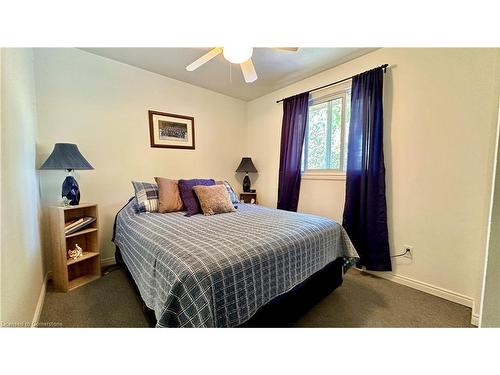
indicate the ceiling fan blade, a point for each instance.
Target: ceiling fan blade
{"x":248,"y":71}
{"x":203,"y":59}
{"x":289,"y":49}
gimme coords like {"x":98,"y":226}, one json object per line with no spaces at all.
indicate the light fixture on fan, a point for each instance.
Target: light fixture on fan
{"x":235,"y":55}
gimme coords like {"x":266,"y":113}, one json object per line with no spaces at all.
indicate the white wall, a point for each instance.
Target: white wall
{"x":21,"y":256}
{"x":102,"y":106}
{"x":1,"y":127}
{"x":440,"y":112}
{"x":490,"y":311}
{"x":490,"y":316}
{"x":440,"y":119}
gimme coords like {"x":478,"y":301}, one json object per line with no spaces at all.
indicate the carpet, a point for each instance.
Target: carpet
{"x":363,"y":300}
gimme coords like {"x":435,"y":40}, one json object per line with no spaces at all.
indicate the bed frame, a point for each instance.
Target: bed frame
{"x":283,"y":310}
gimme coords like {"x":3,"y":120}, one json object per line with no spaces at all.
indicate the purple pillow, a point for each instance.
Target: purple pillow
{"x":188,"y":196}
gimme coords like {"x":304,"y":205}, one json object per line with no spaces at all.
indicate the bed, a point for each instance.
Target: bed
{"x":224,"y":270}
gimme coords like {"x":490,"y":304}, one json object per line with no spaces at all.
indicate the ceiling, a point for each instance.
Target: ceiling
{"x":275,"y":69}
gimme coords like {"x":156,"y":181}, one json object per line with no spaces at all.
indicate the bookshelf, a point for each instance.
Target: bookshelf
{"x":68,"y":274}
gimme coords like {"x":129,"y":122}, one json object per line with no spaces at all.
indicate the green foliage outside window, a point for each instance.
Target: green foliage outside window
{"x":325,"y":141}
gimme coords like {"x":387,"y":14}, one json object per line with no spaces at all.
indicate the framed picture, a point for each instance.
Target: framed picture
{"x":171,"y":131}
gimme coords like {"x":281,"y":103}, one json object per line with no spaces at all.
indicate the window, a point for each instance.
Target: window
{"x":325,"y":143}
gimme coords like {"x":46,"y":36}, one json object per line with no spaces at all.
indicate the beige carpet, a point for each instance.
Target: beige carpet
{"x":362,"y":301}
{"x":365,"y":300}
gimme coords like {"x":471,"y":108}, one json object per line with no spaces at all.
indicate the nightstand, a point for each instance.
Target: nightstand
{"x":247,"y":197}
{"x":67,"y":273}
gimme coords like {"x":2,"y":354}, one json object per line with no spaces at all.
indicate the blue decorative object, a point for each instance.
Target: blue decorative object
{"x":67,"y":156}
{"x":70,"y":190}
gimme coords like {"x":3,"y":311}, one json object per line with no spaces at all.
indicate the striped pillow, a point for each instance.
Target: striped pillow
{"x":146,"y":195}
{"x":232,"y":194}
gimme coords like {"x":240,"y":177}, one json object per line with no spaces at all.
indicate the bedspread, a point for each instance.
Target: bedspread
{"x":217,"y":271}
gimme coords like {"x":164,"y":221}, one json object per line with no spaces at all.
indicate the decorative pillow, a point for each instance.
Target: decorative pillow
{"x":168,"y":195}
{"x":232,"y":194}
{"x":146,"y":195}
{"x":214,"y":199}
{"x":189,"y":199}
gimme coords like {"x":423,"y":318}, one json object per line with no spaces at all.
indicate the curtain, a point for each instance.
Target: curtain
{"x":365,"y":210}
{"x":293,"y":130}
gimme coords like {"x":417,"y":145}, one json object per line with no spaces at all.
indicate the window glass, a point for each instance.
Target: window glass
{"x":325,"y":143}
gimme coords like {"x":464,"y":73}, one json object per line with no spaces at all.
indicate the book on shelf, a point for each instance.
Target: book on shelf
{"x":72,"y":223}
{"x":78,"y":224}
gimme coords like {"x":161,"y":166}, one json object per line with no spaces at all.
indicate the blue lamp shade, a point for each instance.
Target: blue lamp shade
{"x":67,"y":156}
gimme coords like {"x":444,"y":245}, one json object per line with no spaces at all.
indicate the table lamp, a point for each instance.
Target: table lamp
{"x":246,"y":166}
{"x":67,"y":156}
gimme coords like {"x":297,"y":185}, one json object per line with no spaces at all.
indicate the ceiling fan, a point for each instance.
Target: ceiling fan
{"x":235,"y":55}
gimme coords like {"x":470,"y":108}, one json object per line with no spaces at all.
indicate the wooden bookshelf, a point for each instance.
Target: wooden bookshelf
{"x":68,"y":274}
{"x":80,"y":232}
{"x":86,"y":255}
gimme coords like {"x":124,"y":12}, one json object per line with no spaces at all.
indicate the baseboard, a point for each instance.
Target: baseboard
{"x":427,"y":288}
{"x":474,"y":320}
{"x":430,"y":289}
{"x":41,"y":300}
{"x":108,"y":262}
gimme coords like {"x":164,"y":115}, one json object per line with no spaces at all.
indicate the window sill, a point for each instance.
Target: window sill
{"x":324,"y":176}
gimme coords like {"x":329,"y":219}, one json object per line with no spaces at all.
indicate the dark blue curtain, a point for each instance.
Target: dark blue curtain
{"x":365,"y":210}
{"x":293,"y":130}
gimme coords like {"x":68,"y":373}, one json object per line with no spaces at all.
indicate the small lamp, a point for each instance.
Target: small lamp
{"x":246,"y":166}
{"x":67,"y":156}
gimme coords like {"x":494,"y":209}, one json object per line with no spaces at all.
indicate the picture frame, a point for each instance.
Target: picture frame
{"x":168,"y":130}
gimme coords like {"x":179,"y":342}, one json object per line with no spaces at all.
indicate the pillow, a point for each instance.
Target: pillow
{"x":214,"y":199}
{"x":232,"y":194}
{"x":146,"y":195}
{"x":189,"y":199}
{"x":168,"y":195}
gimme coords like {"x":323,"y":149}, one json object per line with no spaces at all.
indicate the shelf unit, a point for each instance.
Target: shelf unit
{"x":247,"y":197}
{"x":68,"y":274}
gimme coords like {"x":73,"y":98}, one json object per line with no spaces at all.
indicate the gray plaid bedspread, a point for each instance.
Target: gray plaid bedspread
{"x":217,"y":271}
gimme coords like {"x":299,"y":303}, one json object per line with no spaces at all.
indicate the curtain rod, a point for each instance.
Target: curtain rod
{"x":384,"y":66}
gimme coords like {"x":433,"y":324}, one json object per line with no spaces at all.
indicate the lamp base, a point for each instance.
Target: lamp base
{"x":246,"y":184}
{"x":71,"y":191}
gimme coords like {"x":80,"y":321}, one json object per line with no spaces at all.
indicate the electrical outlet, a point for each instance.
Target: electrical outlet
{"x":409,"y":251}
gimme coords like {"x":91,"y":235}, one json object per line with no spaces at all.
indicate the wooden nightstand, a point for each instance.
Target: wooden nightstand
{"x":68,"y":274}
{"x":247,"y":197}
